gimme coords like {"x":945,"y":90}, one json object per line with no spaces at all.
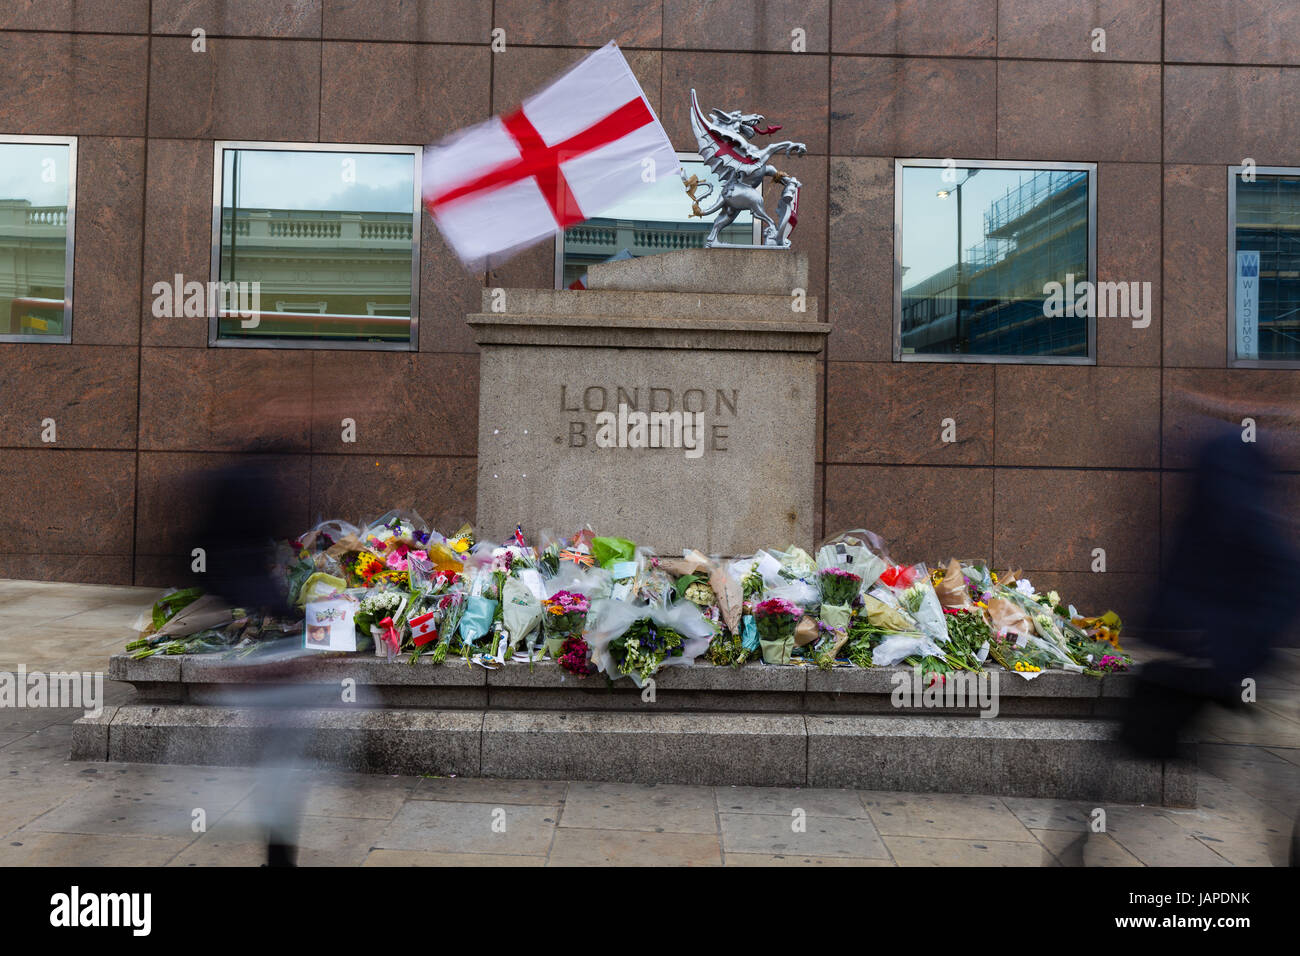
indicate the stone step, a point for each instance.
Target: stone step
{"x":1064,"y":758}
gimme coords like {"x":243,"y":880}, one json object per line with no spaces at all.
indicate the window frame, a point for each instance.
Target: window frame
{"x":682,"y":154}
{"x":1034,"y":165}
{"x":1231,"y":285}
{"x":218,"y":164}
{"x":70,"y":250}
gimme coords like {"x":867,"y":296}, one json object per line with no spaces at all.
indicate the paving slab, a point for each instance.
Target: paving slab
{"x":932,"y":851}
{"x":456,"y":827}
{"x":620,"y":806}
{"x":949,"y":815}
{"x":425,"y":858}
{"x":823,"y":803}
{"x":804,"y":834}
{"x":1097,"y":849}
{"x":35,"y":848}
{"x":577,"y":847}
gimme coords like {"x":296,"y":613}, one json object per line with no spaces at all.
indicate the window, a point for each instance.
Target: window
{"x":315,"y":246}
{"x":38,"y":177}
{"x":1264,"y":267}
{"x":654,"y":220}
{"x":979,"y":248}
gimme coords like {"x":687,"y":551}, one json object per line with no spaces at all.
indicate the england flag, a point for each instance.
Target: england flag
{"x":573,"y":150}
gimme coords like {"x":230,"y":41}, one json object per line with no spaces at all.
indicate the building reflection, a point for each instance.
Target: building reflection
{"x":992,"y":302}
{"x":33,"y":263}
{"x":322,"y":274}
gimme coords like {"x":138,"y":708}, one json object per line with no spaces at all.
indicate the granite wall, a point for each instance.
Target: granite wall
{"x":1050,"y":462}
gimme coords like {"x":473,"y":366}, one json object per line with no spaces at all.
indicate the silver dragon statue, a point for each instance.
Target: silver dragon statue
{"x":741,"y":167}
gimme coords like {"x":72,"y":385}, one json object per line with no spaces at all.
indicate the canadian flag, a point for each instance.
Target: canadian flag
{"x":570,"y":152}
{"x":423,"y":629}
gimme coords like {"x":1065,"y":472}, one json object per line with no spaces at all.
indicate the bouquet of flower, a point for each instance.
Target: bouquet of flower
{"x":776,"y":619}
{"x":839,"y":589}
{"x":380,"y":616}
{"x":575,"y":657}
{"x":563,"y":618}
{"x":435,"y":625}
{"x":968,"y":638}
{"x":1027,"y":656}
{"x":643,"y":647}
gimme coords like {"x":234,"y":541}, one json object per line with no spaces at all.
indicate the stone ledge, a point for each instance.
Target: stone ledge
{"x":755,"y":688}
{"x":584,"y":331}
{"x":710,"y":306}
{"x":738,"y":271}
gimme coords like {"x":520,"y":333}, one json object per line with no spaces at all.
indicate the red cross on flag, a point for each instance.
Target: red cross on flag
{"x":570,"y":152}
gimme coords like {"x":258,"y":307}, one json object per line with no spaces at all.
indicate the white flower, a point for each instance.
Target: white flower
{"x":1024,"y":587}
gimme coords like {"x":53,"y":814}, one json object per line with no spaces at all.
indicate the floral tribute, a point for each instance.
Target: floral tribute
{"x":603,"y":604}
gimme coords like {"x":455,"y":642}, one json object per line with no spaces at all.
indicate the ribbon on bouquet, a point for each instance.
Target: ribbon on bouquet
{"x":389,"y":635}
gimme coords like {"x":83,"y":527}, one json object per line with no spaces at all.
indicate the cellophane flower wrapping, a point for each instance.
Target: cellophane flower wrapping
{"x":839,"y":590}
{"x":634,"y":640}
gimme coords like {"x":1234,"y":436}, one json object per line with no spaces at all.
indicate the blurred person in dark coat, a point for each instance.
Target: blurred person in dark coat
{"x":1226,"y":598}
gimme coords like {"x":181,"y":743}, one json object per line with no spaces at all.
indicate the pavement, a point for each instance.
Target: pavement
{"x":54,"y":811}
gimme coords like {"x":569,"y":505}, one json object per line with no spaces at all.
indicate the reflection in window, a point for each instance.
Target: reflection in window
{"x":331,"y":239}
{"x":1265,"y":295}
{"x":36,"y":188}
{"x":655,"y":220}
{"x":978,"y":244}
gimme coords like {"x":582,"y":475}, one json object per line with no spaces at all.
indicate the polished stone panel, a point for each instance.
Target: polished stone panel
{"x":225,"y":399}
{"x":228,"y":92}
{"x":82,"y":16}
{"x":633,"y":23}
{"x":1055,"y":518}
{"x":1226,"y":31}
{"x":397,"y":93}
{"x":428,"y":21}
{"x":1254,"y":115}
{"x":110,"y":219}
{"x":1194,"y":315}
{"x":1063,"y":29}
{"x":247,"y":18}
{"x":747,"y":24}
{"x":67,"y":501}
{"x":361,"y":488}
{"x":1068,"y":111}
{"x":88,"y":391}
{"x":431,"y":417}
{"x":915,"y":27}
{"x":923,"y":513}
{"x":860,"y":280}
{"x":897,"y":413}
{"x":73,"y":84}
{"x":1129,"y":207}
{"x":1078,"y":415}
{"x":913,"y":106}
{"x":177,"y":234}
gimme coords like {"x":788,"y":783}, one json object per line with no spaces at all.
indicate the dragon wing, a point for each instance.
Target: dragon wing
{"x":724,"y":151}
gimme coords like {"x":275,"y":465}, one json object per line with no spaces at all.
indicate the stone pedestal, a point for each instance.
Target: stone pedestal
{"x":674,"y":402}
